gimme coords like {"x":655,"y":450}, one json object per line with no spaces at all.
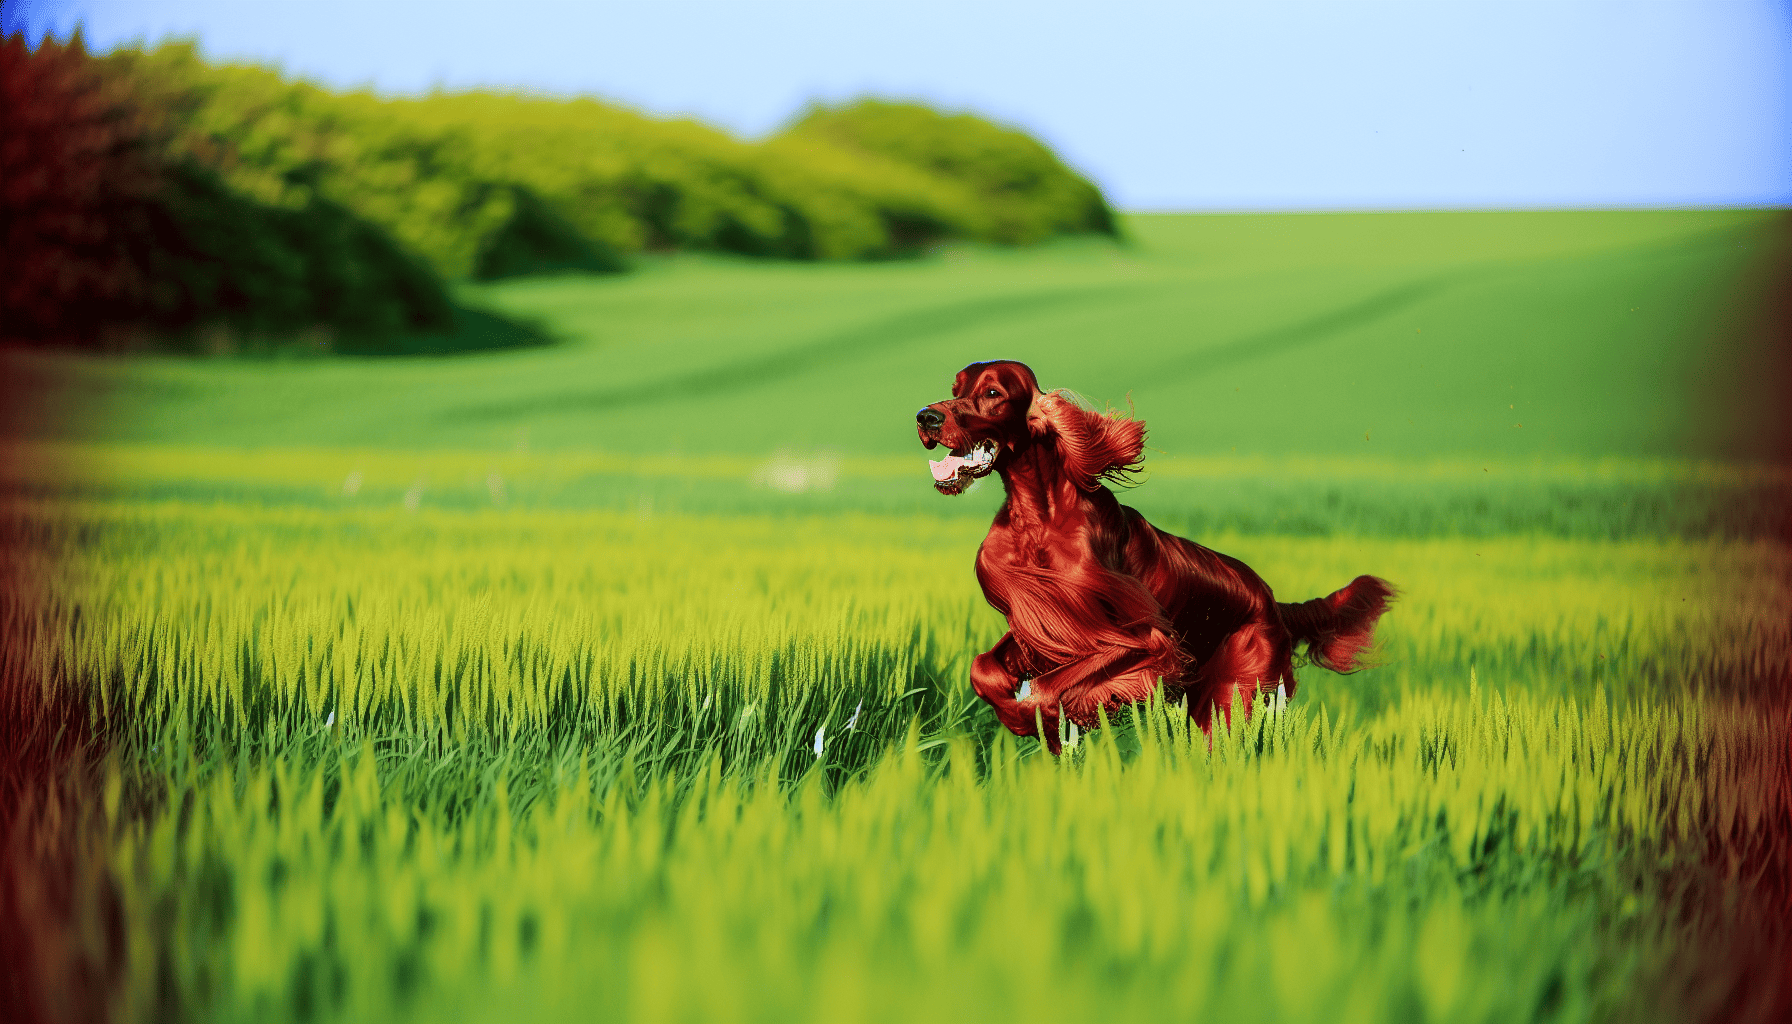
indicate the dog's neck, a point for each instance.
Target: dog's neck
{"x":1039,"y":490}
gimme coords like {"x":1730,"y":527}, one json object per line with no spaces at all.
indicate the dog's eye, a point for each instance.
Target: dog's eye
{"x":993,"y":393}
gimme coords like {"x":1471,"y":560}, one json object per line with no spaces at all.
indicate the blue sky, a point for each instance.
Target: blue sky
{"x":1261,"y":105}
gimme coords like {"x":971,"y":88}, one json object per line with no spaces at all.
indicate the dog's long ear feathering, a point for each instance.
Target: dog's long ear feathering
{"x":1092,"y":447}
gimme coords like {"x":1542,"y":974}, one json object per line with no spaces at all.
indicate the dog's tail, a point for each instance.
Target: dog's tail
{"x":1337,"y":628}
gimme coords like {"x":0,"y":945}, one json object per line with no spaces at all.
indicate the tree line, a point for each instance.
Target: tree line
{"x":146,"y":193}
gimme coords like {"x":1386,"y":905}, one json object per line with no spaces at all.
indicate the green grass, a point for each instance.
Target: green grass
{"x":1390,"y":335}
{"x":1457,"y":859}
{"x":491,"y":686}
{"x":590,"y":597}
{"x":374,"y":761}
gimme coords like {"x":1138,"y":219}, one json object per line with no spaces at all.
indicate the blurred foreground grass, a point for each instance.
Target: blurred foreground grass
{"x":367,"y":757}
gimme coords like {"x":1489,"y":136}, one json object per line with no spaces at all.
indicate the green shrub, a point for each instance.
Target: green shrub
{"x":1029,"y":194}
{"x":638,"y":184}
{"x":78,"y":176}
{"x":443,"y":173}
{"x":536,"y":240}
{"x":156,"y":192}
{"x":115,"y":223}
{"x":271,"y":269}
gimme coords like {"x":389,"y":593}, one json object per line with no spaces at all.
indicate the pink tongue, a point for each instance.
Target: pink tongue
{"x":946,"y":468}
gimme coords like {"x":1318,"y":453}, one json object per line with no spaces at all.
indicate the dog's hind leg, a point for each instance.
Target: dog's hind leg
{"x":1257,"y":655}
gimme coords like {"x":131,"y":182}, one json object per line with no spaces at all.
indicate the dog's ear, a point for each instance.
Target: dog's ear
{"x":1091,"y":446}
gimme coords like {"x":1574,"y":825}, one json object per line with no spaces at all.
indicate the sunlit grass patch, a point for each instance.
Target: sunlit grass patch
{"x":570,"y":621}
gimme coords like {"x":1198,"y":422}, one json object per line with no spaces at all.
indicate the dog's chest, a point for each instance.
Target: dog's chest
{"x":1013,"y":561}
{"x":1004,"y":552}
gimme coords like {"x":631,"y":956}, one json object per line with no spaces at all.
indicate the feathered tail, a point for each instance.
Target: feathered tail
{"x":1338,"y":628}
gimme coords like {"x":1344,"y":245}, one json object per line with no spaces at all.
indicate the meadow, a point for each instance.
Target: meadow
{"x":626,"y":678}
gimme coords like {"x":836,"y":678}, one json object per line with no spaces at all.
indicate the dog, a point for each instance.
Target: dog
{"x":1101,"y":605}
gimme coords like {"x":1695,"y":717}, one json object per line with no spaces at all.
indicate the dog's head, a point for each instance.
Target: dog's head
{"x":997,"y":408}
{"x":985,"y":418}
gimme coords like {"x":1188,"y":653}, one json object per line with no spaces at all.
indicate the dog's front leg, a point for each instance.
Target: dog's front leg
{"x":996,"y":673}
{"x":996,"y":676}
{"x":1026,"y":700}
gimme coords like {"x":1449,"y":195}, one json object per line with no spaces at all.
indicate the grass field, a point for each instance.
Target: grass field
{"x":1603,"y":334}
{"x":626,"y":678}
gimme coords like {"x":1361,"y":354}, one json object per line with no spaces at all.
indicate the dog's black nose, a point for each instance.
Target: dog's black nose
{"x":930,"y":418}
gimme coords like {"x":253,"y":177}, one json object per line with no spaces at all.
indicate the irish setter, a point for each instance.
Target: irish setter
{"x":1101,"y":605}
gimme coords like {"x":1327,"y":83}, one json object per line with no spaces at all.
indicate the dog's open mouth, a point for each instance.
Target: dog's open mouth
{"x":955,"y":472}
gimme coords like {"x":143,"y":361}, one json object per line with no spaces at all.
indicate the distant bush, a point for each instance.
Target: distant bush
{"x":112,"y":227}
{"x":150,"y":188}
{"x":79,"y":175}
{"x":468,"y":178}
{"x":1027,"y":192}
{"x":537,"y":240}
{"x":215,"y":254}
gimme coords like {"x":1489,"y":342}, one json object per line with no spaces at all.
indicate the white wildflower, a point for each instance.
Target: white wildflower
{"x":819,"y":744}
{"x":330,"y":720}
{"x":850,"y":722}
